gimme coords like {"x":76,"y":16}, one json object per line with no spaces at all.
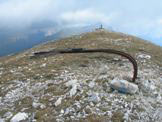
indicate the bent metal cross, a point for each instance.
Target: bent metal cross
{"x":83,"y":50}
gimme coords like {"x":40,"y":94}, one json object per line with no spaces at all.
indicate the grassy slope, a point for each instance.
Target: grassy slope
{"x":101,"y":39}
{"x":105,"y":39}
{"x":98,"y":39}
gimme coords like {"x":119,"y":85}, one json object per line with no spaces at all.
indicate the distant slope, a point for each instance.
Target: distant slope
{"x":13,"y":42}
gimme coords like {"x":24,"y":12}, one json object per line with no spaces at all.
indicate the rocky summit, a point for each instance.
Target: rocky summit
{"x":77,"y":87}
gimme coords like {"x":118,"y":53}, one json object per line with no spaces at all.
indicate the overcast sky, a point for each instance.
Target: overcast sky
{"x":138,"y":17}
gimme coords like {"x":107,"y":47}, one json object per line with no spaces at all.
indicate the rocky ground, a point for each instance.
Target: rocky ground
{"x":77,"y":87}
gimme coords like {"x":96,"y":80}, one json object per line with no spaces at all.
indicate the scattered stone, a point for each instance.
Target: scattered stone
{"x":8,"y":115}
{"x":1,"y":120}
{"x":58,"y":102}
{"x":19,"y":117}
{"x":91,"y":104}
{"x":158,"y":114}
{"x":94,"y":97}
{"x":123,"y":86}
{"x":88,"y":110}
{"x":67,"y":111}
{"x":106,"y":87}
{"x":91,"y":84}
{"x":70,"y":111}
{"x":35,"y":105}
{"x":143,"y":56}
{"x":38,"y":105}
{"x":146,"y":86}
{"x":116,"y":59}
{"x":62,"y":111}
{"x":71,"y":83}
{"x":74,"y":84}
{"x":42,"y":106}
{"x":43,"y":65}
{"x":90,"y":96}
{"x":73,"y":91}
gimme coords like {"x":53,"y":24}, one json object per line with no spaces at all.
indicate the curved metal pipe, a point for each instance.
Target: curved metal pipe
{"x":82,"y":50}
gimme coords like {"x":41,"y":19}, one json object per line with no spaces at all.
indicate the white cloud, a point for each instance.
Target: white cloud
{"x":160,"y":22}
{"x":87,"y":16}
{"x":24,"y":12}
{"x":132,"y":17}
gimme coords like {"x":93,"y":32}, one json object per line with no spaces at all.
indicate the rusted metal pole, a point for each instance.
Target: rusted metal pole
{"x":82,"y":50}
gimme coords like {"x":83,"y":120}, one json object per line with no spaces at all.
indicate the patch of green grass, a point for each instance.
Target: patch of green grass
{"x":45,"y":115}
{"x":24,"y":103}
{"x":117,"y":117}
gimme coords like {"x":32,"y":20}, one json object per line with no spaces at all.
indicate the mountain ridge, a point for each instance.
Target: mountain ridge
{"x":76,"y":87}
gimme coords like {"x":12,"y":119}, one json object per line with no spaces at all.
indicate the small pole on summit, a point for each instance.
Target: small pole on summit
{"x":101,"y":26}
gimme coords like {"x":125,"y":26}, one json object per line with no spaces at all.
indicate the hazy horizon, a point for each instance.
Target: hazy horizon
{"x":21,"y":20}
